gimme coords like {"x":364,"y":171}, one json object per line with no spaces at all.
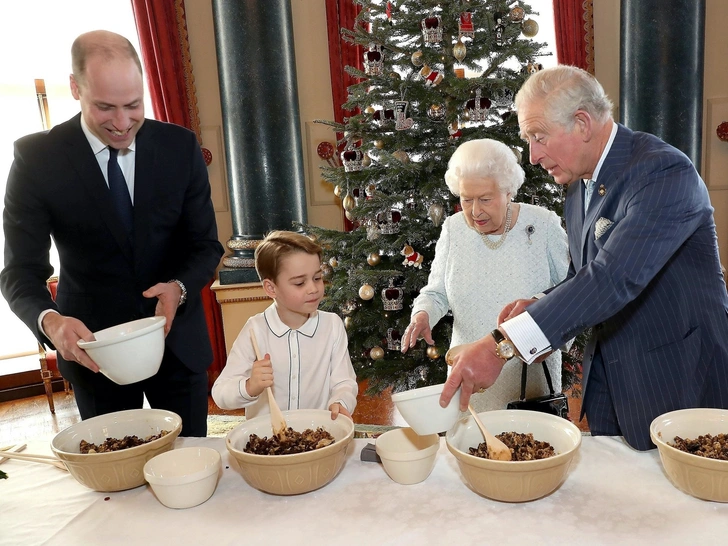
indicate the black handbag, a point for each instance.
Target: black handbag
{"x":555,"y":404}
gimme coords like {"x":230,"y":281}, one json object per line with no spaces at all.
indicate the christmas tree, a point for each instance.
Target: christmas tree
{"x":413,"y":107}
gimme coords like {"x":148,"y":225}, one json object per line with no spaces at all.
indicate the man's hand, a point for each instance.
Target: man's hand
{"x":260,"y":377}
{"x":475,"y":366}
{"x":514,"y":309}
{"x":64,"y":332}
{"x":337,"y":409}
{"x":168,"y":294}
{"x":419,"y":327}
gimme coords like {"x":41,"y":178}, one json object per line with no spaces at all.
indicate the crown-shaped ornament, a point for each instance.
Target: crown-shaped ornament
{"x":477,"y":108}
{"x":388,"y":222}
{"x":384,"y":117}
{"x":432,"y":29}
{"x":352,"y":158}
{"x":374,"y":61}
{"x":394,"y":339}
{"x":392,"y":298}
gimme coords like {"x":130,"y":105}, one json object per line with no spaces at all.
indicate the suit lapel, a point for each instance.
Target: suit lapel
{"x":609,"y":176}
{"x":82,"y":159}
{"x":144,"y":186}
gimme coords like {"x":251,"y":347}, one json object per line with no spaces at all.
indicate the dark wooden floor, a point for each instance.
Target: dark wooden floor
{"x":30,"y":418}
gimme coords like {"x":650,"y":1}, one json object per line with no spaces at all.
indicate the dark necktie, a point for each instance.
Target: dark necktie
{"x":120,"y":192}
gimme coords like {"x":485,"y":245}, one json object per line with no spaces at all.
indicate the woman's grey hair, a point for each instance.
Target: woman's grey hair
{"x":567,"y":89}
{"x":485,"y":158}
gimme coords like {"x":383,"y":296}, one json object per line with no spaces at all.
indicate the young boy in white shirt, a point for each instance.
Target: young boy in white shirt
{"x":306,"y":360}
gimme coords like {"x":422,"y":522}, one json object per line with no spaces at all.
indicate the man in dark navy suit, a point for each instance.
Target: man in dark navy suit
{"x":645,"y":273}
{"x":150,"y":255}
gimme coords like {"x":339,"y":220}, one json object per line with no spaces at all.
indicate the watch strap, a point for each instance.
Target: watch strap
{"x":183,"y":295}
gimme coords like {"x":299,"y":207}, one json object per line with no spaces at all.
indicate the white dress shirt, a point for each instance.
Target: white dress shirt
{"x":523,"y":330}
{"x":311,"y":365}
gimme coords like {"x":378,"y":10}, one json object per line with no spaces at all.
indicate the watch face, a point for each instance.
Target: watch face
{"x":506,"y":350}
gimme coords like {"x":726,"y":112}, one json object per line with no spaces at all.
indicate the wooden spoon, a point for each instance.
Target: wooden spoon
{"x":497,"y":450}
{"x":33,"y":458}
{"x":277,"y":421}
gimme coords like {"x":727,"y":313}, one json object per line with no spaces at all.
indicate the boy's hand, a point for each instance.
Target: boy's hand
{"x":337,"y":409}
{"x":261,"y":377}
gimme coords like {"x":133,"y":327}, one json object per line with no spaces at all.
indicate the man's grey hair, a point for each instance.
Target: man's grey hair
{"x":564,"y":90}
{"x":485,"y":158}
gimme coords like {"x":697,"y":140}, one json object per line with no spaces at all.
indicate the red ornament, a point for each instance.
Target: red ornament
{"x":325,"y":150}
{"x":207,"y":156}
{"x":722,"y":131}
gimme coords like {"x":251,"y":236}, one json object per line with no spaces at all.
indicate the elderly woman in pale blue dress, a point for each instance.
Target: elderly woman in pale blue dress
{"x":491,"y":253}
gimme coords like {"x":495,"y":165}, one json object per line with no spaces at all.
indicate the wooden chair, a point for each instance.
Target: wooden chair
{"x":49,"y":360}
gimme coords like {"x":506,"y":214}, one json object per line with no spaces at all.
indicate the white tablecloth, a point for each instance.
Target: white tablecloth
{"x":612,"y":495}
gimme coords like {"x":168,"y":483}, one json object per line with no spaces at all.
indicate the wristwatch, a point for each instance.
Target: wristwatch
{"x":183,"y":295}
{"x":504,"y":347}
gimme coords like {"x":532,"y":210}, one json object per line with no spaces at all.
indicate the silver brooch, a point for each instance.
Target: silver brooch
{"x":530,"y":230}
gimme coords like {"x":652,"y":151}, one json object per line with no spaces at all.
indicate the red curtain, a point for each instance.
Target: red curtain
{"x":162,"y":29}
{"x":341,"y":14}
{"x":574,"y":27}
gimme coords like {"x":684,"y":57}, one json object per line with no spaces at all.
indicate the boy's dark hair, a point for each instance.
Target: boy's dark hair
{"x":276,"y":246}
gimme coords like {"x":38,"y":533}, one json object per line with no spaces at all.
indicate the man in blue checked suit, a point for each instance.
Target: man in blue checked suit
{"x":645,"y":273}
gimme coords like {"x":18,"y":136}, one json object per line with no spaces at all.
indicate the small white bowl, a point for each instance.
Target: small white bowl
{"x":185,"y":477}
{"x":698,"y":476}
{"x":129,"y":352}
{"x":421,"y":409}
{"x":407,"y":457}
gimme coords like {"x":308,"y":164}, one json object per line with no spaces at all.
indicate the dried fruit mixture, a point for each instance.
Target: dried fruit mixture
{"x":115,"y":444}
{"x":290,"y":441}
{"x":523,"y":447}
{"x":712,"y":447}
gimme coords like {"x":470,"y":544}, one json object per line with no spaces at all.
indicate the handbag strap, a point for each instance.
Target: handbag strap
{"x":524,"y":373}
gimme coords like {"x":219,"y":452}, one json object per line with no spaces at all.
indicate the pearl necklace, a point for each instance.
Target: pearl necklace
{"x":493,"y":245}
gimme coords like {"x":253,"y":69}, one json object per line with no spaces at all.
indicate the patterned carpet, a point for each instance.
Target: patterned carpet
{"x":219,"y":425}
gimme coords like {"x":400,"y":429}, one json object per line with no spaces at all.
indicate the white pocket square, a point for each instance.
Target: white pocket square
{"x":601,"y":227}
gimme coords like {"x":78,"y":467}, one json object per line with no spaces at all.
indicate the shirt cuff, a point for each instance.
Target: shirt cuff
{"x":243,"y":390}
{"x":40,"y":320}
{"x":528,"y":338}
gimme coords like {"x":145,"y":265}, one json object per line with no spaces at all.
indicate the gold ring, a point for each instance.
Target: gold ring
{"x":480,"y":391}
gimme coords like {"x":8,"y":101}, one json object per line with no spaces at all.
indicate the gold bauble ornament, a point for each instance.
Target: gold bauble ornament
{"x":337,"y":190}
{"x":326,"y":271}
{"x":376,"y":353}
{"x":529,"y":28}
{"x":348,"y":203}
{"x":349,"y":216}
{"x":459,"y":51}
{"x":333,"y":262}
{"x":370,"y":110}
{"x":379,"y":144}
{"x":366,"y":160}
{"x":366,"y":292}
{"x":395,"y":76}
{"x":401,"y":156}
{"x":374,"y":258}
{"x":417,"y":58}
{"x":433,"y":353}
{"x":347,"y":322}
